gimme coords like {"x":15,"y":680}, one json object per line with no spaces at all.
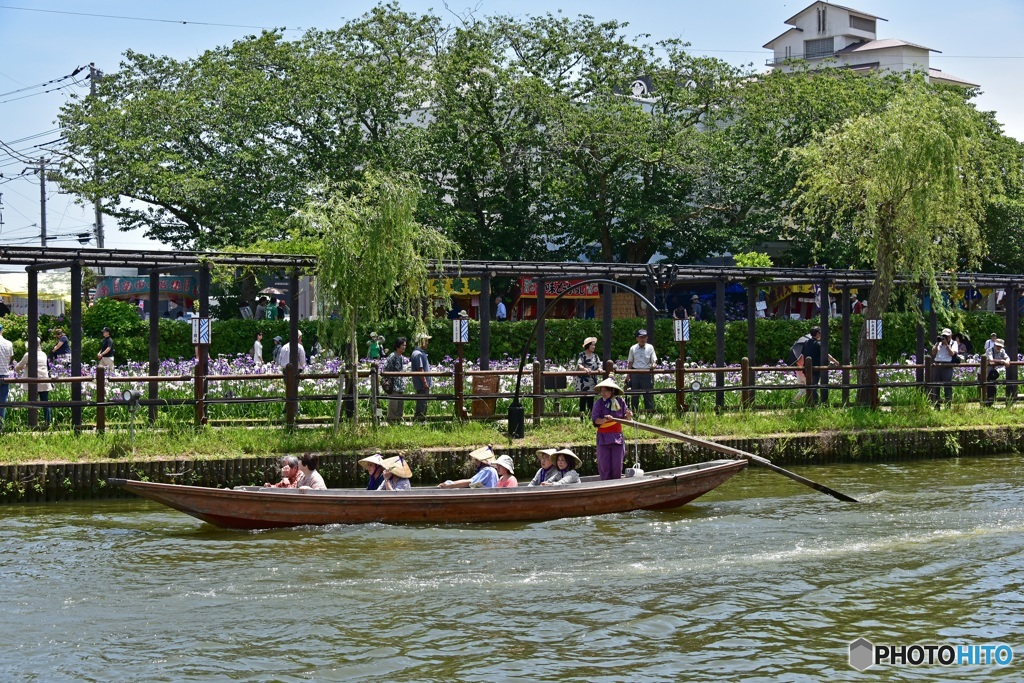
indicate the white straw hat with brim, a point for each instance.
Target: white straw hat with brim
{"x":999,"y":342}
{"x":608,"y":384}
{"x":484,"y":454}
{"x":422,"y":336}
{"x":588,"y":341}
{"x":375,"y":459}
{"x":398,"y":467}
{"x":506,"y":462}
{"x":946,"y":332}
{"x":570,"y":455}
{"x":694,"y":298}
{"x":549,"y":452}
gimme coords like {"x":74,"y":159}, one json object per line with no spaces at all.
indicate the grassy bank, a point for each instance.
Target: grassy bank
{"x":31,"y":447}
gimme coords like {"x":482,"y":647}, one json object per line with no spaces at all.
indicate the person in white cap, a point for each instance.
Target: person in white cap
{"x":997,"y":357}
{"x":284,"y":356}
{"x":506,"y":472}
{"x":421,"y":363}
{"x":945,"y":353}
{"x":375,"y":349}
{"x":486,"y":476}
{"x":642,"y":357}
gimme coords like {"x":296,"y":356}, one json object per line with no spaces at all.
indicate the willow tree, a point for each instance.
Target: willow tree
{"x":909,"y":183}
{"x":371,"y":252}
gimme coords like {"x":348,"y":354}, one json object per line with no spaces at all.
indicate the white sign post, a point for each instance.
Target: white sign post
{"x":874,"y":330}
{"x":201,"y":330}
{"x":460,"y":331}
{"x":682,"y":330}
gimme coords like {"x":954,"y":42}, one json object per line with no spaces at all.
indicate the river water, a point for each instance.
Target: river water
{"x":762,"y":580}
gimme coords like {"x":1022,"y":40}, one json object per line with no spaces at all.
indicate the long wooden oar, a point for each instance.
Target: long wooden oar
{"x":736,"y":453}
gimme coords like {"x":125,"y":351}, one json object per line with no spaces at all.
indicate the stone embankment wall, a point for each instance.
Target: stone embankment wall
{"x":77,"y":481}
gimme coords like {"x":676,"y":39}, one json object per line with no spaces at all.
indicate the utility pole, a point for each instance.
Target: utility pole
{"x":94,"y":77}
{"x":42,"y":201}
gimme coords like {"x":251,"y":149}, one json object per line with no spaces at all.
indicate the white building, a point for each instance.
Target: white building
{"x":824,"y":33}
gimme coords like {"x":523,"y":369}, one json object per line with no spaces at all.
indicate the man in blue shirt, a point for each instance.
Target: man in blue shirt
{"x":500,"y":313}
{"x":486,"y":476}
{"x":420,"y":363}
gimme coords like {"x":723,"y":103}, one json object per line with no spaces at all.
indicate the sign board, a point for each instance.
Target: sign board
{"x":552,"y":288}
{"x":201,"y":330}
{"x":760,"y":305}
{"x":460,"y":331}
{"x":682,"y":330}
{"x":874,"y":329}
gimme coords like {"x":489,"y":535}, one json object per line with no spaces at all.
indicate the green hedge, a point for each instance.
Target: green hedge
{"x":563,"y":340}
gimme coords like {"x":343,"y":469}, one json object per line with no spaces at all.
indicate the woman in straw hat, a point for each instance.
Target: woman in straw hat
{"x":547,"y":466}
{"x":506,"y":470}
{"x":374,"y":465}
{"x":396,"y":475}
{"x":589,"y":362}
{"x":566,"y":463}
{"x":485,"y":478}
{"x":611,"y":447}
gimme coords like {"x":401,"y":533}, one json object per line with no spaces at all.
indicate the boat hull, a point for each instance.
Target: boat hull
{"x":251,"y":508}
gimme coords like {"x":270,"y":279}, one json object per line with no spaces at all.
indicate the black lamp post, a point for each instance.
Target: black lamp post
{"x":516,"y":412}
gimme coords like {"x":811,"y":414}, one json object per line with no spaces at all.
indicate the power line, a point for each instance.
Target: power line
{"x":162,"y":21}
{"x":44,"y":83}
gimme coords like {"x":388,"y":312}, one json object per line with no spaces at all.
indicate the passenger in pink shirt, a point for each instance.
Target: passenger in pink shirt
{"x":506,"y":480}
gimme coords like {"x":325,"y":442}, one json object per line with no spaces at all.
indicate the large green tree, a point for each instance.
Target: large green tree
{"x":910,"y":184}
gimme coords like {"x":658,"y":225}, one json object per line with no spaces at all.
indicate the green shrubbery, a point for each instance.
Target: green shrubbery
{"x":563,"y":340}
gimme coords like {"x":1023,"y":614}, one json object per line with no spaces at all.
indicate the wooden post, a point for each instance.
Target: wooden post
{"x":928,"y":376}
{"x":826,"y":313}
{"x":198,"y":392}
{"x":291,"y":394}
{"x":202,"y":350}
{"x":460,"y":389}
{"x":681,"y":379}
{"x":538,"y":392}
{"x":375,"y":393}
{"x":154,"y":342}
{"x":847,"y":311}
{"x":101,"y":397}
{"x":746,"y":395}
{"x":651,"y":296}
{"x":751,"y":336}
{"x":919,"y":372}
{"x":33,"y":345}
{"x":1012,"y":340}
{"x":541,"y":323}
{"x":76,"y":344}
{"x":874,"y":386}
{"x":292,"y":381}
{"x":720,"y":343}
{"x":606,"y":321}
{"x":485,"y":321}
{"x":983,"y":381}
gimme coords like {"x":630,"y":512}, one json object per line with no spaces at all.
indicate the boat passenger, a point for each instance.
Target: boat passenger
{"x":566,"y":463}
{"x":289,"y":474}
{"x":547,"y":466}
{"x":374,"y":465}
{"x":396,"y":475}
{"x":486,"y":477}
{"x":506,"y":472}
{"x":611,"y":447}
{"x":311,"y":479}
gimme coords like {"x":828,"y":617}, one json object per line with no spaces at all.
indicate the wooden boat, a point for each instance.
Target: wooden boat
{"x":264,"y":508}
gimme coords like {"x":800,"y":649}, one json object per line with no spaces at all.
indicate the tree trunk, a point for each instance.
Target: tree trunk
{"x":354,"y":357}
{"x":878,"y":303}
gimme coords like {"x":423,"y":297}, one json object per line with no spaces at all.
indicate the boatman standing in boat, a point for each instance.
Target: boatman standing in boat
{"x":611,"y":447}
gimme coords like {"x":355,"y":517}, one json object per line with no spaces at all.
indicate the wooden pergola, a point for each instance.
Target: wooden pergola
{"x":646,"y":277}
